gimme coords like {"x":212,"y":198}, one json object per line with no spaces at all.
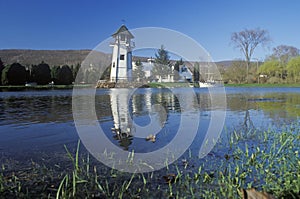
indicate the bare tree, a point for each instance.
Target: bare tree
{"x":247,"y":40}
{"x":284,"y":53}
{"x":236,"y":72}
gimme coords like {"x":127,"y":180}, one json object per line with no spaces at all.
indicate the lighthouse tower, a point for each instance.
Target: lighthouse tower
{"x":122,"y":55}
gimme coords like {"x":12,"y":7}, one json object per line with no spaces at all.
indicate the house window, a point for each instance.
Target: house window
{"x":122,"y":57}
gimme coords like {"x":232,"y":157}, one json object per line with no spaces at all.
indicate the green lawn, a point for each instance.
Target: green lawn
{"x":184,"y":84}
{"x":168,"y":84}
{"x":262,"y":85}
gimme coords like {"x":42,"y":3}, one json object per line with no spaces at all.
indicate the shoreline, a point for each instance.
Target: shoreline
{"x":147,"y":85}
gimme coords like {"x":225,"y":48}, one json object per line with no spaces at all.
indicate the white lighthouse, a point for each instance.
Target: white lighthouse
{"x":122,"y":55}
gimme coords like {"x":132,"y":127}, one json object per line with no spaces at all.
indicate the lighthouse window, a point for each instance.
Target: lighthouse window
{"x":122,"y":57}
{"x":122,"y":37}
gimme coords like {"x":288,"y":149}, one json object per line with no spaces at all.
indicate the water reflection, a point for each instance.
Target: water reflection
{"x":245,"y":110}
{"x":121,"y":109}
{"x":272,"y":105}
{"x":137,"y":114}
{"x":120,"y":106}
{"x":33,"y":107}
{"x":42,"y":117}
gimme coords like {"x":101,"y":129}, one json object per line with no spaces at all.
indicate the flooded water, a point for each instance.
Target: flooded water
{"x":32,"y":121}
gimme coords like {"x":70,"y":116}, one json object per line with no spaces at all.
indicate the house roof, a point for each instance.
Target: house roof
{"x":123,"y":29}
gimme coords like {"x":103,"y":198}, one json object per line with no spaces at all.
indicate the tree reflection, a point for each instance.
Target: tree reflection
{"x":248,"y":124}
{"x":277,"y":106}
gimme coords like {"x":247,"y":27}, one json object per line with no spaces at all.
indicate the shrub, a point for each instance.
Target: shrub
{"x":14,"y":74}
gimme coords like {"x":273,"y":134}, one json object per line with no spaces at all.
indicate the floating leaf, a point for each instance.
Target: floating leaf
{"x":151,"y":138}
{"x":227,"y":157}
{"x":253,"y":194}
{"x":169,"y":178}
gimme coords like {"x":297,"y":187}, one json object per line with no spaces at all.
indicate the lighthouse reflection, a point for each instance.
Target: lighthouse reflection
{"x":121,"y":109}
{"x":140,"y":113}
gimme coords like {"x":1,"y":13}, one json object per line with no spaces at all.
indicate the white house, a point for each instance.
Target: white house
{"x":184,"y":72}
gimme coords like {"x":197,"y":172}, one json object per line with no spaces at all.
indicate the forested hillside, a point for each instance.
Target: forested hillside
{"x":51,"y":57}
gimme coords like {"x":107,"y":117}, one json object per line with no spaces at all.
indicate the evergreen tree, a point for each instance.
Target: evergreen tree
{"x":65,"y":75}
{"x":176,"y":68}
{"x":1,"y":68}
{"x":75,"y":73}
{"x":196,"y":72}
{"x":138,"y":73}
{"x":161,"y":67}
{"x":106,"y":74}
{"x":162,"y":56}
{"x":41,"y":74}
{"x":86,"y":76}
{"x":14,"y":74}
{"x":93,"y":76}
{"x":54,"y":74}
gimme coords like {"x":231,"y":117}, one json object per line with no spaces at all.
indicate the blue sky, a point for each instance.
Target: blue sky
{"x":66,"y":24}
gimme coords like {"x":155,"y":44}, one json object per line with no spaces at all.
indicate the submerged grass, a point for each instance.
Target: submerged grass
{"x":268,"y":161}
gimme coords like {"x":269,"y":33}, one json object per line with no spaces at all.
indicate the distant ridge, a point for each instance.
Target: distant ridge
{"x":29,"y":57}
{"x":226,"y":63}
{"x":52,"y":57}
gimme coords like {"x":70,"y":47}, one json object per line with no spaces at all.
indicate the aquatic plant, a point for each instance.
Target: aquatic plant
{"x":265,"y":160}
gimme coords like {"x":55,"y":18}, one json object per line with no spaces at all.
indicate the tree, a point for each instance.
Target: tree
{"x":196,"y":72}
{"x":162,"y":56}
{"x":1,"y":68}
{"x":106,"y":73}
{"x":247,"y":40}
{"x":41,"y":74}
{"x":138,"y":74}
{"x":284,"y":53}
{"x":270,"y":68}
{"x":65,"y":75}
{"x":86,"y":76}
{"x":178,"y":64}
{"x":176,"y":68}
{"x":161,"y":67}
{"x":293,"y":69}
{"x":92,"y":76}
{"x":236,"y":72}
{"x":14,"y":74}
{"x":54,"y":74}
{"x":75,"y":72}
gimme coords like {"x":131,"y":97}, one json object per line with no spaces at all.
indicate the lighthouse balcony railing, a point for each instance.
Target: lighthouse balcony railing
{"x":131,"y":43}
